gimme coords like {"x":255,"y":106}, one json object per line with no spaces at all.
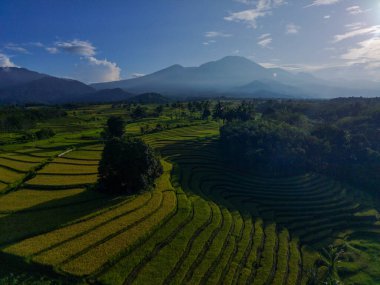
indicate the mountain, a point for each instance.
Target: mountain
{"x":271,"y":88}
{"x":48,"y":90}
{"x":231,"y":76}
{"x":12,"y":76}
{"x":235,"y":76}
{"x":216,"y":76}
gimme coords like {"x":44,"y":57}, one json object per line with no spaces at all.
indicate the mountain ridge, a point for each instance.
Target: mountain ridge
{"x":220,"y":77}
{"x":231,"y":76}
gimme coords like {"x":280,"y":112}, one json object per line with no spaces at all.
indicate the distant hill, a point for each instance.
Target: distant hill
{"x":235,"y":76}
{"x":224,"y":76}
{"x":12,"y":76}
{"x":268,"y":89}
{"x":109,"y":95}
{"x":216,"y":76}
{"x":231,"y":76}
{"x":149,"y":98}
{"x":48,"y":90}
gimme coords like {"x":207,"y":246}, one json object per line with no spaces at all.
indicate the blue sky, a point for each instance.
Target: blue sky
{"x":104,"y":40}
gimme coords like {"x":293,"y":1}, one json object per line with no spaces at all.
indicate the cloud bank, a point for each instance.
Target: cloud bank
{"x":5,"y":61}
{"x":91,"y":69}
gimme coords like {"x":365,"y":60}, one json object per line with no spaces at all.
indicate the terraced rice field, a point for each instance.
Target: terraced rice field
{"x":204,"y":223}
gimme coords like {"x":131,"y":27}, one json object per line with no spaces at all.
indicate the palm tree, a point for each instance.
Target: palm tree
{"x":332,"y":256}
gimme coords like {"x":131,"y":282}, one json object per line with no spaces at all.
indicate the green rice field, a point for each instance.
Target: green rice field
{"x":203,"y":223}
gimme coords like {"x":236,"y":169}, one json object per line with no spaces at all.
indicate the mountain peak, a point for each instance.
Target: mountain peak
{"x":234,"y":62}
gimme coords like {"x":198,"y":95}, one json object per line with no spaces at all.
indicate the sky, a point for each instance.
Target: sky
{"x":107,"y":40}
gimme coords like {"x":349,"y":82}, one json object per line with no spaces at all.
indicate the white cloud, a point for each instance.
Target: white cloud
{"x":137,"y":75}
{"x":92,"y":70}
{"x":366,"y":52}
{"x":355,"y":26}
{"x":209,"y":42}
{"x":84,"y":48}
{"x":5,"y":61}
{"x":214,"y":34}
{"x":265,"y":40}
{"x":322,"y":2}
{"x":301,"y":67}
{"x":250,"y":16}
{"x":52,"y":50}
{"x":263,"y":36}
{"x":373,"y":30}
{"x":16,"y":48}
{"x":292,"y":29}
{"x":327,"y":17}
{"x":247,"y":2}
{"x":36,"y":44}
{"x":354,"y":10}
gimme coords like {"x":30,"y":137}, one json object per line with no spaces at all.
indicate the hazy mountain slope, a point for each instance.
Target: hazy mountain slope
{"x":46,"y":90}
{"x":108,"y":95}
{"x":267,"y":87}
{"x":223,"y":76}
{"x":11,"y":76}
{"x":227,"y":72}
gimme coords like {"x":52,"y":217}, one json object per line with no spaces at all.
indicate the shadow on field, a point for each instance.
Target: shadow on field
{"x":314,"y":208}
{"x":48,"y":216}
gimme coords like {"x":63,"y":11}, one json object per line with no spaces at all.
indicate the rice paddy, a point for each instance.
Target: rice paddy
{"x":204,"y":223}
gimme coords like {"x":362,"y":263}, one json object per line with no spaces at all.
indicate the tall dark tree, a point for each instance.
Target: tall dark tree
{"x":159,"y":109}
{"x":219,"y":112}
{"x":128,"y":166}
{"x":206,"y":113}
{"x":115,"y":127}
{"x":138,"y":113}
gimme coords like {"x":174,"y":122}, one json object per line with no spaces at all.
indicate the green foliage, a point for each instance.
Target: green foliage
{"x":139,"y":113}
{"x":264,"y":146}
{"x":244,"y":112}
{"x":23,"y":118}
{"x":128,"y":166}
{"x":45,"y":133}
{"x":115,"y":127}
{"x":288,"y":140}
{"x":206,"y":113}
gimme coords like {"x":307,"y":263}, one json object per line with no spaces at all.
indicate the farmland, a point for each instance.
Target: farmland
{"x":204,"y":222}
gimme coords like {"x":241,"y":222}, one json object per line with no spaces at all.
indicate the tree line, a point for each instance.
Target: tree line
{"x":339,"y":138}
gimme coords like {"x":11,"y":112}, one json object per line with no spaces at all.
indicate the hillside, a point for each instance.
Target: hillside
{"x":48,"y":89}
{"x":11,"y":76}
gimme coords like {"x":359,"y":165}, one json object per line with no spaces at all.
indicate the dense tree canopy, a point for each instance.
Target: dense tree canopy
{"x":339,"y":138}
{"x":14,"y":118}
{"x":115,"y":127}
{"x":128,"y":166}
